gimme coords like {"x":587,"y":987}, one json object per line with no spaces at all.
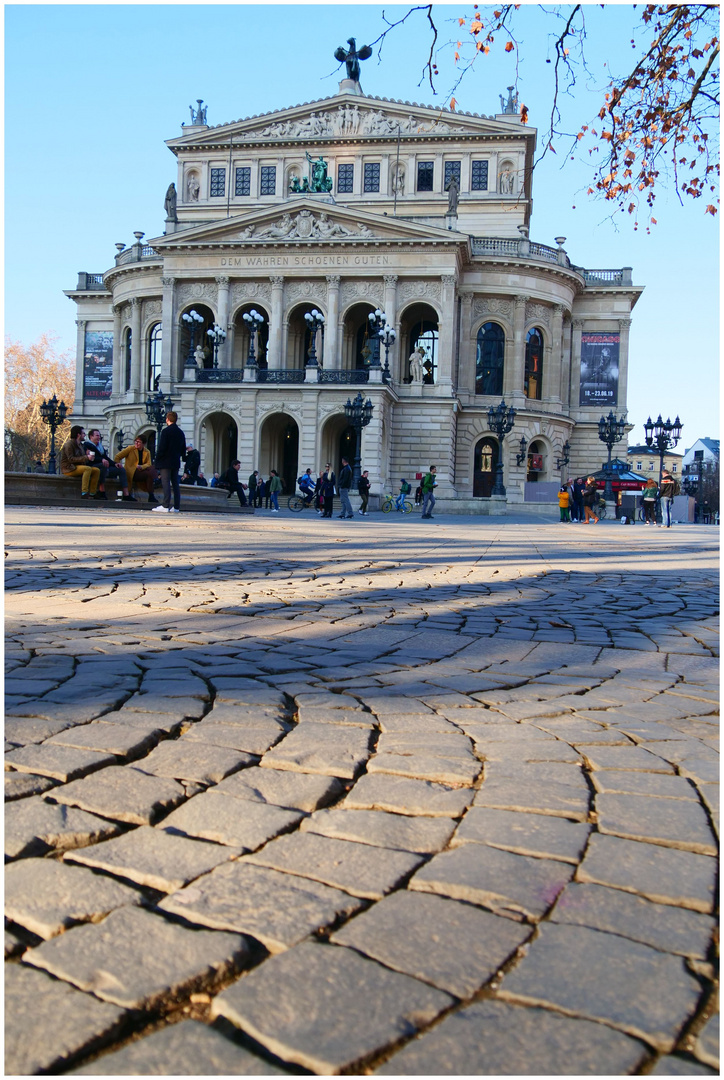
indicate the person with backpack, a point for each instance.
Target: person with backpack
{"x":405,"y":489}
{"x":305,"y":483}
{"x":343,"y":486}
{"x":364,"y":492}
{"x":428,"y":498}
{"x":563,"y":500}
{"x":648,"y":498}
{"x":669,"y":488}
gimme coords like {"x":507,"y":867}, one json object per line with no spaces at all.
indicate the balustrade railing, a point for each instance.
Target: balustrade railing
{"x":330,"y":375}
{"x":280,"y":376}
{"x":527,"y":249}
{"x":225,"y":375}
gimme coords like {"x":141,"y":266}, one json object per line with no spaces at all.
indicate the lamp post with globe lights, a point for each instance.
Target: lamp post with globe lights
{"x":359,"y":414}
{"x":254,"y":322}
{"x":663,"y":435}
{"x":378,"y":321}
{"x":315,"y":321}
{"x":53,"y":414}
{"x":610,"y":431}
{"x":156,"y":408}
{"x":193,"y":320}
{"x":217,"y":335}
{"x":500,"y":421}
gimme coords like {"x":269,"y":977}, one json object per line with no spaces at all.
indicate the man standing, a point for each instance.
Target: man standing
{"x":138,"y":467}
{"x":364,"y":492}
{"x":326,"y":490}
{"x":667,"y":491}
{"x":94,"y":446}
{"x":253,"y":484}
{"x":171,"y":448}
{"x":345,"y":483}
{"x":428,"y":498}
{"x":231,"y":479}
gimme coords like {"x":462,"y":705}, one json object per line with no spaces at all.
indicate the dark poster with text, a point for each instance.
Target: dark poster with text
{"x":98,"y":364}
{"x":599,"y":369}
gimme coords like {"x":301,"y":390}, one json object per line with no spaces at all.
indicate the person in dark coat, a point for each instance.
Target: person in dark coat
{"x":171,"y":449}
{"x":326,"y":490}
{"x":231,"y":478}
{"x":577,"y":509}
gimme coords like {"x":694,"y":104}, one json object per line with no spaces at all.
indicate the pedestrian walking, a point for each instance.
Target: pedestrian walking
{"x":364,"y":492}
{"x":253,"y":484}
{"x":649,"y":496}
{"x":343,"y":486}
{"x":429,"y":483}
{"x":275,"y":487}
{"x":171,"y":449}
{"x":563,"y":500}
{"x":668,"y":490}
{"x":577,"y":492}
{"x":326,"y":490}
{"x":590,"y":500}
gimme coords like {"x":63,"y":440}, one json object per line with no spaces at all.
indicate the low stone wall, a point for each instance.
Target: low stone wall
{"x":22,"y":489}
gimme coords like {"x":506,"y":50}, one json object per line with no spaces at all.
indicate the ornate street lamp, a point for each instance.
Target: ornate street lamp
{"x":387,"y":336}
{"x":520,"y":458}
{"x":218,"y":337}
{"x":663,"y":435}
{"x":378,"y":320}
{"x":254,"y":321}
{"x":193,"y":320}
{"x":610,"y":431}
{"x":500,"y":421}
{"x":53,"y":415}
{"x":120,"y":439}
{"x":315,"y":321}
{"x":156,"y":408}
{"x":565,"y":457}
{"x":359,"y":414}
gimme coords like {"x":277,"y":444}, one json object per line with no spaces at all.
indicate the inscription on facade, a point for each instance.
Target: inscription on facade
{"x":304,"y":260}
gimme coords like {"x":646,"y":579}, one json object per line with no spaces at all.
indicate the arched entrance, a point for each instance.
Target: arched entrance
{"x":419,"y":328}
{"x":200,"y":335}
{"x":536,"y":462}
{"x":220,"y":443}
{"x":359,"y":348}
{"x":299,"y":339}
{"x":279,"y":449}
{"x":338,"y":440}
{"x":486,"y":459}
{"x":242,"y":337}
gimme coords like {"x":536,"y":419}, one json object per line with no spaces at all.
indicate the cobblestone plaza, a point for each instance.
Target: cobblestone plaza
{"x":370,"y":797}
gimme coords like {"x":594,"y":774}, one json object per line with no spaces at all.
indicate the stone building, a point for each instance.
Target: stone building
{"x":346,"y":206}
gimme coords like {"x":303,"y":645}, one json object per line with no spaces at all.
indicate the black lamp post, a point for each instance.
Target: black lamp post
{"x":610,"y":431}
{"x":359,"y":414}
{"x":378,"y":320}
{"x":315,"y":321}
{"x":53,"y":415}
{"x":193,"y":320}
{"x":120,"y":439}
{"x":387,"y":336}
{"x":254,"y":321}
{"x":217,"y":334}
{"x":500,"y":421}
{"x":156,"y":408}
{"x":565,"y":457}
{"x":663,"y":435}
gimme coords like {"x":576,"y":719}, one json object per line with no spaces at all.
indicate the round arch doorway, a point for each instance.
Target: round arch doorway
{"x":222,"y":439}
{"x":339,"y":439}
{"x":279,"y":449}
{"x":485,"y":462}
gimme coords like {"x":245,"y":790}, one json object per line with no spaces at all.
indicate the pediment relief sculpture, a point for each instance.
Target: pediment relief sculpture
{"x":351,"y":120}
{"x":304,"y":226}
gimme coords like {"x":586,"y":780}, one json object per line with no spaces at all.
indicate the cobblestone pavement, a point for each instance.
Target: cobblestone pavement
{"x":372,"y":797}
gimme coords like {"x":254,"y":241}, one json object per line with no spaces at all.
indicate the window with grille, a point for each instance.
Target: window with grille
{"x":424,"y":175}
{"x":452,"y":168}
{"x":490,"y":359}
{"x":128,"y":349}
{"x":372,"y":176}
{"x":218,"y":182}
{"x":479,"y":178}
{"x":243,"y":181}
{"x":345,"y":179}
{"x":268,"y":180}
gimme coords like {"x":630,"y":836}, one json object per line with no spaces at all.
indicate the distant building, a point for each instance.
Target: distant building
{"x":349,"y":205}
{"x":706,"y":450}
{"x":645,"y":459}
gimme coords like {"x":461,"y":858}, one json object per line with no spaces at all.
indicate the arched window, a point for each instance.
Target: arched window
{"x":154,"y":357}
{"x":425,"y":335}
{"x":533,"y":364}
{"x":127,"y":348}
{"x":490,"y":357}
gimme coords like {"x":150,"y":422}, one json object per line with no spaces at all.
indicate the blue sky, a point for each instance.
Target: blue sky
{"x":93,"y":91}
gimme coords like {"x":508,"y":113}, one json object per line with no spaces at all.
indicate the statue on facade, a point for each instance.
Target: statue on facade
{"x":453,"y":193}
{"x":351,"y":57}
{"x":199,"y":356}
{"x":170,"y":203}
{"x":398,"y":179}
{"x":511,"y":105}
{"x":192,"y":187}
{"x":506,"y":182}
{"x":319,"y":180}
{"x":416,"y":369}
{"x":198,"y":116}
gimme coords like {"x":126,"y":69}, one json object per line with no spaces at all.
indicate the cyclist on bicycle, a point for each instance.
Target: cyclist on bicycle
{"x":306,"y":486}
{"x":405,"y":489}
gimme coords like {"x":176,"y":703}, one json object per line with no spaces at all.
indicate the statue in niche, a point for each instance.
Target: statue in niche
{"x":199,"y":356}
{"x":416,"y":369}
{"x":351,"y":57}
{"x":319,"y":180}
{"x":398,"y":180}
{"x":506,"y":182}
{"x":453,"y":193}
{"x":193,"y":187}
{"x":170,"y":203}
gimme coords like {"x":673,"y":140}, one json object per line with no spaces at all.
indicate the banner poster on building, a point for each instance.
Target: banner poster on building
{"x":98,"y":364}
{"x":599,"y":369}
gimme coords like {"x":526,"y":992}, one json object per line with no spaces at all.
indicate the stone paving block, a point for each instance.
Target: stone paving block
{"x":189,"y":760}
{"x":495,"y":1038}
{"x":135,"y":958}
{"x":694,"y":669}
{"x":182,"y":707}
{"x":381,"y":829}
{"x":700,"y":769}
{"x":321,"y":748}
{"x":48,"y":1022}
{"x":669,"y":929}
{"x":664,"y":875}
{"x":568,"y":774}
{"x":20,"y":785}
{"x":393,"y":705}
{"x":671,"y":822}
{"x":443,"y":745}
{"x":360,"y":869}
{"x":239,"y":823}
{"x":319,"y":715}
{"x":424,"y":723}
{"x":226,"y":712}
{"x":512,"y":885}
{"x":540,"y":797}
{"x":277,"y":909}
{"x":649,"y":784}
{"x":460,"y":770}
{"x":47,"y":896}
{"x":525,"y":834}
{"x":254,"y":739}
{"x":706,"y":1047}
{"x":188,"y":1048}
{"x":455,"y":947}
{"x":154,"y":858}
{"x":35,"y":827}
{"x":295,"y":791}
{"x":252,"y":693}
{"x":674,"y":1065}
{"x":529,"y":710}
{"x":298,"y":1006}
{"x":639,"y":990}
{"x":406,"y":796}
{"x":123,"y":794}
{"x":14,"y":946}
{"x":58,"y":762}
{"x":117,"y":739}
{"x":180,"y":686}
{"x":31,"y":729}
{"x":625,"y":757}
{"x":530,"y":751}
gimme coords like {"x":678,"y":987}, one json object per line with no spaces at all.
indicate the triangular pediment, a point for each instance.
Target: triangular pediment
{"x":349,"y":116}
{"x":304,"y":220}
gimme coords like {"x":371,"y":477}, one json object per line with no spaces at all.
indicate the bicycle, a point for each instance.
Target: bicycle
{"x":601,"y":510}
{"x":296,"y":503}
{"x":390,"y":504}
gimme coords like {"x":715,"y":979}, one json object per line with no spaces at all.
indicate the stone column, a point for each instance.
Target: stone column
{"x":466,"y":372}
{"x":566,"y":364}
{"x":275,"y":358}
{"x":516,"y":391}
{"x":446,"y":334}
{"x":330,"y":357}
{"x":136,"y":346}
{"x":577,"y":328}
{"x":552,"y":369}
{"x":80,"y":363}
{"x":169,"y":333}
{"x":118,"y":386}
{"x":390,"y":306}
{"x":624,"y":325}
{"x":222,"y":318}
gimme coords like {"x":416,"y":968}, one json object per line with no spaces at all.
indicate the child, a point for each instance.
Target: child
{"x":563,"y":503}
{"x":405,"y":489}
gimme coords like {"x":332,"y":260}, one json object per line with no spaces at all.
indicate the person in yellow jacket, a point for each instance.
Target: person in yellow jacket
{"x":139,"y":467}
{"x":563,"y":503}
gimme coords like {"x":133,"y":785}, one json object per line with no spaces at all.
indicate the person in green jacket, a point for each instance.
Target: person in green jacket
{"x":275,"y":486}
{"x":428,"y":498}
